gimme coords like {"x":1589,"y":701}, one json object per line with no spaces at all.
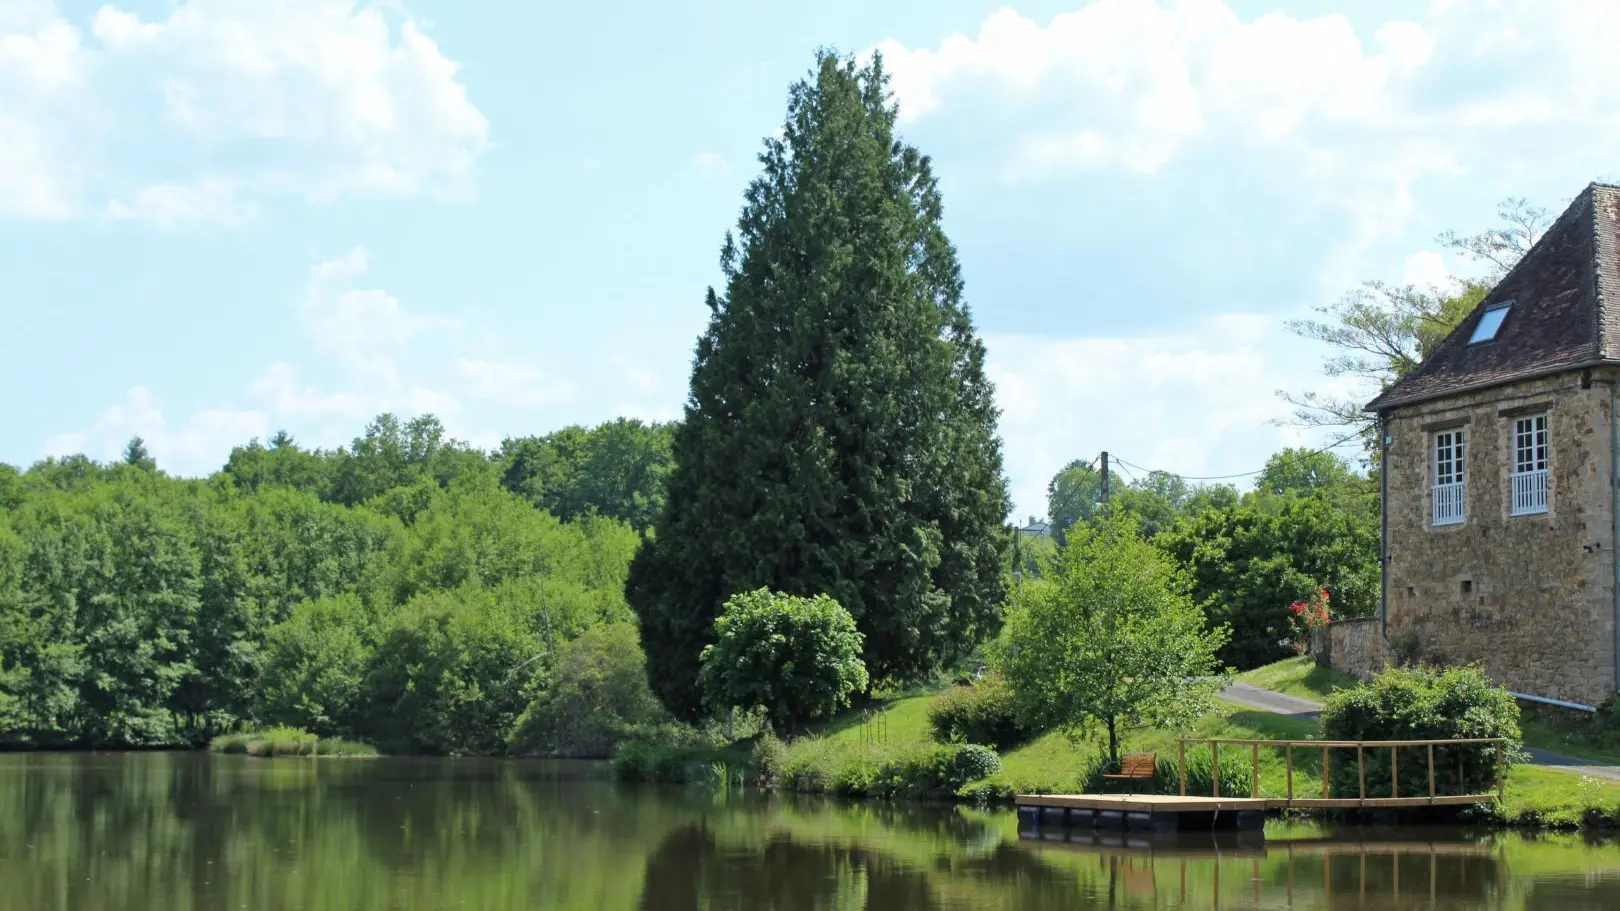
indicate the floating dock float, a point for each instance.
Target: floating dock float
{"x":1138,"y":812}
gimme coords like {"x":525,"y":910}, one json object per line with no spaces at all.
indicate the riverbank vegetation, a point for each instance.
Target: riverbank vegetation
{"x":285,"y":741}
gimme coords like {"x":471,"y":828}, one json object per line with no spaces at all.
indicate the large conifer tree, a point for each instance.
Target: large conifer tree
{"x":840,"y":431}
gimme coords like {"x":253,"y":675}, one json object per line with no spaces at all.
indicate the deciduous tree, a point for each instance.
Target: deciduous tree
{"x":1108,"y":637}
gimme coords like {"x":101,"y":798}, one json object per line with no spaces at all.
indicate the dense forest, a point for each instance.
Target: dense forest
{"x":405,"y":589}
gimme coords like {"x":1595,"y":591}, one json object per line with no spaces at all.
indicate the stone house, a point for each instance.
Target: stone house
{"x":1499,"y":476}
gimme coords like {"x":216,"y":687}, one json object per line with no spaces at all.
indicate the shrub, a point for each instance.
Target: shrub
{"x":973,"y":762}
{"x":796,"y":658}
{"x":595,"y":697}
{"x":982,"y":712}
{"x":633,"y":762}
{"x":769,"y":758}
{"x":807,"y":775}
{"x":1424,"y":704}
{"x":287,"y":741}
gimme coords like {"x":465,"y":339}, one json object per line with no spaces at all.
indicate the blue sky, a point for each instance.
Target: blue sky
{"x":219,"y":218}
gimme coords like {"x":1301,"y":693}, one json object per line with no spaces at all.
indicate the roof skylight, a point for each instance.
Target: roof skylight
{"x":1489,"y":322}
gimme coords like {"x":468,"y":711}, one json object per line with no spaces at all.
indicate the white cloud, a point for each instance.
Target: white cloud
{"x":1196,"y":402}
{"x":363,"y":328}
{"x":710,"y":163}
{"x":1426,"y":269}
{"x":201,"y":439}
{"x":1139,"y":86}
{"x":311,"y":99}
{"x":514,"y":383}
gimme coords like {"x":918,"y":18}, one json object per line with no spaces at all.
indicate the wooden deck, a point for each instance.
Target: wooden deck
{"x":1142,"y":803}
{"x":1159,"y":803}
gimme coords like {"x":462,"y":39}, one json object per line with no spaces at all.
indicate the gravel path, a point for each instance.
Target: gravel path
{"x":1283,"y":704}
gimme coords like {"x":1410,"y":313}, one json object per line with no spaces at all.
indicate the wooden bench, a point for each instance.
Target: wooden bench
{"x":1134,"y":767}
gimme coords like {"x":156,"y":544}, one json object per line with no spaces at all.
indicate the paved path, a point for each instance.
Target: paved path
{"x":1283,"y":704}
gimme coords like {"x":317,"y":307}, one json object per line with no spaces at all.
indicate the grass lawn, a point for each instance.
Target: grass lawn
{"x":1299,"y":677}
{"x":1570,"y":740}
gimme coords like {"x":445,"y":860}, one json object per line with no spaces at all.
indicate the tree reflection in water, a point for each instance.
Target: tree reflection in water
{"x":202,"y":833}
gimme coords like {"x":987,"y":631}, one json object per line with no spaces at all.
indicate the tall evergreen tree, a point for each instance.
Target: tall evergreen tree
{"x":840,"y":431}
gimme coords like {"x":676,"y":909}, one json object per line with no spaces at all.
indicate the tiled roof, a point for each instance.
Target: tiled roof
{"x":1565,"y":313}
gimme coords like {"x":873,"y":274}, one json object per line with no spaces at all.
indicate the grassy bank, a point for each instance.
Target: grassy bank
{"x":288,"y":742}
{"x":853,"y":753}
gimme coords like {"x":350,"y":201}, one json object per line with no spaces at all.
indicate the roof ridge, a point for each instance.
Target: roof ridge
{"x":1543,"y":280}
{"x":1603,"y":252}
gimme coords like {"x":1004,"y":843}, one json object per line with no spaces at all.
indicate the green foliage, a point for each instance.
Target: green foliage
{"x":840,"y":432}
{"x":287,"y":741}
{"x":390,"y":592}
{"x":447,"y":676}
{"x":1155,"y":500}
{"x":796,"y":658}
{"x":617,"y":469}
{"x":1424,"y":704}
{"x":769,"y":758}
{"x":1247,"y":566}
{"x":595,"y":697}
{"x":315,"y":667}
{"x":1074,"y":495}
{"x":1237,"y":775}
{"x":983,"y":712}
{"x":1108,"y":636}
{"x":975,"y":761}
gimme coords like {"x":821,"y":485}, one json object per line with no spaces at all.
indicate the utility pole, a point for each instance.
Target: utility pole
{"x":1105,"y":477}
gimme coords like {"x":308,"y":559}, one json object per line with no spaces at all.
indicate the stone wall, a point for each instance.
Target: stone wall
{"x":1531,"y":597}
{"x":1355,"y":646}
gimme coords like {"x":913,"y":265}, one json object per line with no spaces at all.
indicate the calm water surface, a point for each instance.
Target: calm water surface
{"x":191,"y":831}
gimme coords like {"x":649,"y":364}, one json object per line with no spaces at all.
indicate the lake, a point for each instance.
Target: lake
{"x":194,"y":832}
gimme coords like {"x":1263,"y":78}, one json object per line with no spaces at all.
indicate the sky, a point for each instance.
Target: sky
{"x":221,"y":218}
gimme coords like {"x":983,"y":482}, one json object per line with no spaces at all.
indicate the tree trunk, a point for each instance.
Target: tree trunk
{"x":1113,"y":741}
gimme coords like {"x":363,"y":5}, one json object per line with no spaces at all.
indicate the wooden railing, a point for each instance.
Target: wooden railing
{"x":1327,"y":800}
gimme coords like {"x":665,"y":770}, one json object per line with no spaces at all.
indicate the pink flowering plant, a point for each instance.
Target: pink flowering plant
{"x":1304,"y":616}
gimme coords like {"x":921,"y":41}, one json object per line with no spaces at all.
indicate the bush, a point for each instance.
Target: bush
{"x":796,"y":658}
{"x":287,"y":741}
{"x":633,"y":762}
{"x":1424,"y":704}
{"x":973,"y":762}
{"x":769,"y":759}
{"x":594,"y":698}
{"x":982,"y":712}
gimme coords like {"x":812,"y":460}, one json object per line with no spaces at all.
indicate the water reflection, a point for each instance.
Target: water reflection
{"x":182,"y":831}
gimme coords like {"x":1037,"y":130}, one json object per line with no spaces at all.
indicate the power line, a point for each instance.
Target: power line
{"x":1246,"y":474}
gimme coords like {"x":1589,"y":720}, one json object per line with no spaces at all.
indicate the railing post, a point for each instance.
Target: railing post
{"x":1394,"y":772}
{"x":1327,"y":771}
{"x":1215,"y":765}
{"x":1361,"y":770}
{"x":1288,"y":760}
{"x":1501,"y":773}
{"x":1254,"y":764}
{"x":1431,"y":771}
{"x":1181,"y":764}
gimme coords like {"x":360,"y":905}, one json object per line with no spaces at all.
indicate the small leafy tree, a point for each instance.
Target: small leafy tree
{"x":797,"y":658}
{"x":1109,"y":636}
